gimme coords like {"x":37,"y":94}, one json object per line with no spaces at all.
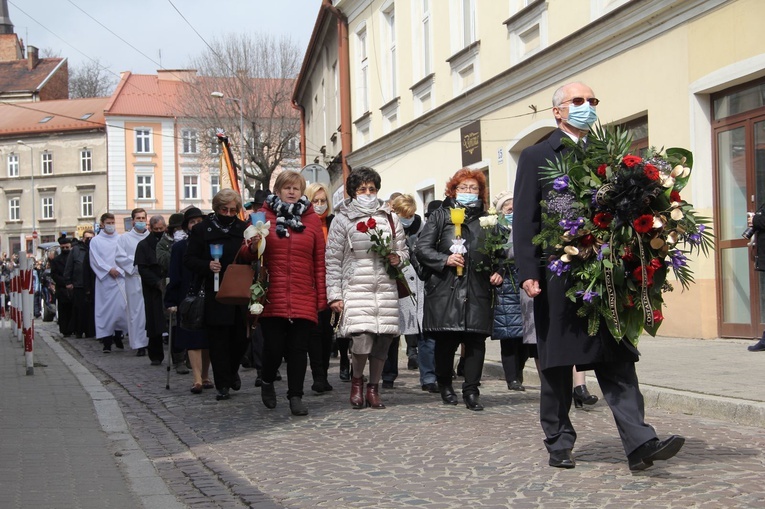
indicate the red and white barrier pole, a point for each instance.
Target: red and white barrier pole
{"x":15,"y":316}
{"x":27,"y":310}
{"x":3,"y":316}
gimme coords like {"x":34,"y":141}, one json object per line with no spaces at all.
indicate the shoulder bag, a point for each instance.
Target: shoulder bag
{"x":192,"y":308}
{"x":235,"y":287}
{"x":401,"y":286}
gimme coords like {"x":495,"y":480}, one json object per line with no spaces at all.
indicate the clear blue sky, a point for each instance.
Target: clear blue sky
{"x":153,"y":26}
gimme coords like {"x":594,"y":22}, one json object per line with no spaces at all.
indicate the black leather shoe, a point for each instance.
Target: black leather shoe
{"x":412,"y":363}
{"x":447,"y":394}
{"x":387,"y":384}
{"x":515,"y":385}
{"x":141,"y":352}
{"x":297,"y":407}
{"x":583,"y":397}
{"x":268,"y":395}
{"x":472,"y":403}
{"x":654,"y":450}
{"x":562,"y":459}
{"x":345,"y":375}
{"x":258,"y":380}
{"x":237,"y":383}
{"x":430,"y":388}
{"x":222,"y":394}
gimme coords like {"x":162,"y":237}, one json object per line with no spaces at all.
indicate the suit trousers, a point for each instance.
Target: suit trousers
{"x":320,"y":346}
{"x":227,"y":346}
{"x":619,"y":383}
{"x":475,"y":351}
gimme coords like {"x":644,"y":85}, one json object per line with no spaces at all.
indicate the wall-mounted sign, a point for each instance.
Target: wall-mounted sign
{"x":470,"y":142}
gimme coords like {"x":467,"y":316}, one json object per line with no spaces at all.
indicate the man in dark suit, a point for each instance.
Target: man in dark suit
{"x":563,"y":341}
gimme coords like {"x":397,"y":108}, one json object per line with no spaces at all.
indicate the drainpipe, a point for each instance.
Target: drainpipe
{"x":343,"y":52}
{"x":177,"y":166}
{"x":298,"y":107}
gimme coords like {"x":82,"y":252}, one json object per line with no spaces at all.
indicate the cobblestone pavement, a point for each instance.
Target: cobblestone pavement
{"x":417,"y":452}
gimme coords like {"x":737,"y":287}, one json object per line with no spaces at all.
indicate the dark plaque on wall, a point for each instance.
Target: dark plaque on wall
{"x":470,"y":142}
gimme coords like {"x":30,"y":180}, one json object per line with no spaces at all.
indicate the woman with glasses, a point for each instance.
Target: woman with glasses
{"x":225,"y":325}
{"x":458,"y":302}
{"x":358,"y":285}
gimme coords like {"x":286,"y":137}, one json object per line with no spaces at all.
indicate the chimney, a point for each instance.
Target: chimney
{"x":32,"y":58}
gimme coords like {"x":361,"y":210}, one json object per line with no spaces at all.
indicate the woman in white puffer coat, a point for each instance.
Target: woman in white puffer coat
{"x":358,"y":286}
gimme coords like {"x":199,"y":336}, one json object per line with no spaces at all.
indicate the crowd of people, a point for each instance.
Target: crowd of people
{"x":352,"y":280}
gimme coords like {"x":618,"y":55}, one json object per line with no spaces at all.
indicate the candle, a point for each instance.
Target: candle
{"x":458,"y":217}
{"x":216,"y":251}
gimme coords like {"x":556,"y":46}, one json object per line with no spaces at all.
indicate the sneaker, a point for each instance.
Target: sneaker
{"x":757,"y":347}
{"x":107,"y":349}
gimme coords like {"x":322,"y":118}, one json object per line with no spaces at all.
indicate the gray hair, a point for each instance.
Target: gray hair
{"x":156,"y":219}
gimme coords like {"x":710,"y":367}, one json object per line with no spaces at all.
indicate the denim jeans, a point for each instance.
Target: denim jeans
{"x":426,"y":347}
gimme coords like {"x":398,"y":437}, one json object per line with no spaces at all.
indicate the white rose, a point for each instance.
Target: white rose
{"x":256,"y":308}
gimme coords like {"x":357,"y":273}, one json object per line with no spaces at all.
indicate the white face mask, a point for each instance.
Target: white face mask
{"x":320,"y":209}
{"x":109,"y":228}
{"x":366,"y":200}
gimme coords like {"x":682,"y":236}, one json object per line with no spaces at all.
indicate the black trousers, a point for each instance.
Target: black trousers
{"x":156,"y":348}
{"x":83,"y":311}
{"x":390,"y":368}
{"x":475,"y":351}
{"x":320,"y":346}
{"x":619,"y":383}
{"x":282,"y":338}
{"x":65,"y":321}
{"x":514,"y":356}
{"x":227,"y":346}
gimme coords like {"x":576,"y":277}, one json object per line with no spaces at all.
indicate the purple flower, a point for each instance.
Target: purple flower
{"x":572,"y":225}
{"x":695,"y":238}
{"x":558,"y":267}
{"x":676,"y":259}
{"x":589,"y":296}
{"x":561,"y":183}
{"x":601,"y":254}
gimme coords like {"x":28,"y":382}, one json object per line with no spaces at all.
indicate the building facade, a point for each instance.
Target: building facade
{"x":438,"y":85}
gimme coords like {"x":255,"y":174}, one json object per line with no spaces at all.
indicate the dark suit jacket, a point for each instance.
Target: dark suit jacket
{"x":562,"y":336}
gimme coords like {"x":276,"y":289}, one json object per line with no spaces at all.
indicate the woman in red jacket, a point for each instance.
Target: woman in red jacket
{"x":294,"y":257}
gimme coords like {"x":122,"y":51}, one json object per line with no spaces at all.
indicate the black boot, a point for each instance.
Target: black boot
{"x":583,"y":397}
{"x":268,"y":395}
{"x":297,"y":407}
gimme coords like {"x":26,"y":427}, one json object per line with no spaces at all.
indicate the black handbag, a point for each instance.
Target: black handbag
{"x":192,"y":309}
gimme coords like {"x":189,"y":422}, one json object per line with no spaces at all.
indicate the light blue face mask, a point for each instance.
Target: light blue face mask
{"x":467,"y":198}
{"x":406,"y":223}
{"x":140,"y":225}
{"x":509,"y":218}
{"x":582,"y":117}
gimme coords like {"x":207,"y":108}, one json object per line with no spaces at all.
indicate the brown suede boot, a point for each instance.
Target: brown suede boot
{"x":357,"y":392}
{"x":373,"y":396}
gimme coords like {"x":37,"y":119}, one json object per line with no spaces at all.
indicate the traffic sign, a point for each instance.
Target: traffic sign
{"x":34,"y":235}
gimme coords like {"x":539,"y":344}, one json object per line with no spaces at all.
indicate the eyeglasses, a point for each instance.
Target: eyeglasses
{"x":578,"y":101}
{"x":229,"y":210}
{"x":366,"y":189}
{"x":468,"y":189}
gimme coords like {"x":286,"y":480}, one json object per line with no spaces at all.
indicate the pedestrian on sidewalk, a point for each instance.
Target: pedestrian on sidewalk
{"x":756,"y":221}
{"x":152,"y":286}
{"x":64,"y":295}
{"x":563,"y":339}
{"x":80,"y":279}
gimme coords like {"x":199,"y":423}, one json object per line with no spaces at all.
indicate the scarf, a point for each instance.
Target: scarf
{"x":288,"y":214}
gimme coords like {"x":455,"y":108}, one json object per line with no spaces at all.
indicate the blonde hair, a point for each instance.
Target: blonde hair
{"x":289,"y":177}
{"x":225,"y":196}
{"x":404,"y":205}
{"x":313,"y":189}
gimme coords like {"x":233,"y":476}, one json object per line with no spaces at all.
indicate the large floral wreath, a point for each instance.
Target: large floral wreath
{"x":615,"y":224}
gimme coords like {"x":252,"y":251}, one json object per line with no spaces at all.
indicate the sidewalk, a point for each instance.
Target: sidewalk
{"x":716,"y":378}
{"x":65,"y":441}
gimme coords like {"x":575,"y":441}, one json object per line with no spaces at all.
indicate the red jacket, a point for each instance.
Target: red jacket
{"x":296,"y":273}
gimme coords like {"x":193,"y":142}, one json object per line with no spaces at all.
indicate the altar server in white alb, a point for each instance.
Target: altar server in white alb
{"x":136,"y":313}
{"x":110,"y":301}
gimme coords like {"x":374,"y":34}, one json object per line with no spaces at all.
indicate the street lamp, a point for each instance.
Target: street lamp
{"x":221,"y":95}
{"x":32,"y":173}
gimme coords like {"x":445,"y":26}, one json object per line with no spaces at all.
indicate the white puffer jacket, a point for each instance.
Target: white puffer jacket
{"x":356,"y":276}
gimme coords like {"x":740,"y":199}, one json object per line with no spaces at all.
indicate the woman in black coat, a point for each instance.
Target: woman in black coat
{"x":225,"y":325}
{"x":458,"y":309}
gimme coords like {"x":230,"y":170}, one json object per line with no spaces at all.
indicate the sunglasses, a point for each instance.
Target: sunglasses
{"x":578,"y":101}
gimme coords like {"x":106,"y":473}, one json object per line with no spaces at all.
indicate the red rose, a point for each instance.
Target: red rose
{"x":631,"y":161}
{"x":675,"y":196}
{"x":651,"y":172}
{"x":657,"y":316}
{"x":643,"y":224}
{"x":637,"y":273}
{"x":628,"y":256}
{"x":362,"y":227}
{"x":602,"y":220}
{"x":586,"y":240}
{"x":602,"y":170}
{"x":371,"y":223}
{"x":657,"y":264}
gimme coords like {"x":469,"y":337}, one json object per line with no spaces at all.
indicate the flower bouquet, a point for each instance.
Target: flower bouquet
{"x":614,"y":224}
{"x":496,"y":241}
{"x":259,"y":288}
{"x":381,"y":245}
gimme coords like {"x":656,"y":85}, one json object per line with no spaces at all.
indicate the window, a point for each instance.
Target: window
{"x":389,"y":31}
{"x":214,"y":184}
{"x":638,"y":130}
{"x":47,"y":207}
{"x":468,"y":22}
{"x":363,"y":72}
{"x":86,"y":160}
{"x":143,"y":141}
{"x":13,"y":165}
{"x":189,"y":137}
{"x":86,"y":205}
{"x":425,"y":25}
{"x":47,"y":163}
{"x":190,"y":187}
{"x":14,"y":209}
{"x":144,"y":187}
{"x":527,"y":31}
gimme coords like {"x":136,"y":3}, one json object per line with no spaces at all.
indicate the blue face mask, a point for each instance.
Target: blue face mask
{"x":467,"y":198}
{"x":406,"y":223}
{"x":582,"y":117}
{"x":140,"y":225}
{"x":509,"y":218}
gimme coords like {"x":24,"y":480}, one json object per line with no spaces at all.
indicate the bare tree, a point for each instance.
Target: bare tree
{"x":90,"y":79}
{"x":48,"y":52}
{"x":257,"y":74}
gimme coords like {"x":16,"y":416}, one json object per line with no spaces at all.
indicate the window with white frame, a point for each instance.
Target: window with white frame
{"x":190,"y":187}
{"x":189,"y":137}
{"x":14,"y":209}
{"x":13,"y":165}
{"x":86,"y":205}
{"x":47,"y":163}
{"x":214,"y":184}
{"x":527,"y":31}
{"x":362,"y":60}
{"x":86,"y":160}
{"x":467,"y":29}
{"x":143,"y":141}
{"x":144,"y":189}
{"x":47,"y":207}
{"x":389,"y":32}
{"x":425,"y":25}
